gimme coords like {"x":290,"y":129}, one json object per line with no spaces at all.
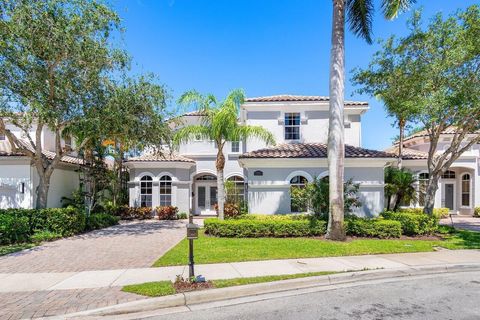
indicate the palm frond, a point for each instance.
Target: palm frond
{"x":190,"y":98}
{"x":360,"y":18}
{"x":244,"y":132}
{"x":392,"y":8}
{"x":190,"y":133}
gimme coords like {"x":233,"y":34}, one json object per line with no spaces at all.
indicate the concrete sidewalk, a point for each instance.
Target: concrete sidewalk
{"x":21,"y":282}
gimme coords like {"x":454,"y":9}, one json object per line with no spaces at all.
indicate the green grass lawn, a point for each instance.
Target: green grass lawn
{"x":218,"y":250}
{"x":15,"y":247}
{"x":164,"y":288}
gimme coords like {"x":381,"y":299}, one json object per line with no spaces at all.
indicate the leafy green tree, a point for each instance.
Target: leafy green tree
{"x":219,"y":124}
{"x":399,"y":186}
{"x":442,"y":61}
{"x":386,"y":79}
{"x":318,"y":194}
{"x":54,"y":55}
{"x":359,"y":14}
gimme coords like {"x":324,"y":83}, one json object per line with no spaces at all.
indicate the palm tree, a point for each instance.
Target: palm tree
{"x":359,"y":15}
{"x":400,"y":185}
{"x":219,"y":124}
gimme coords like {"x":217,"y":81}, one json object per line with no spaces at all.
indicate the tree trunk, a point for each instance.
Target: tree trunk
{"x":42,"y":191}
{"x":398,"y":201}
{"x":389,"y":201}
{"x":432,"y":188}
{"x":336,"y":146}
{"x":220,"y":165}
{"x":401,"y":125}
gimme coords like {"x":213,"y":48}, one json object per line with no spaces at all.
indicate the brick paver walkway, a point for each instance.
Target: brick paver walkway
{"x":25,"y":305}
{"x":128,"y":245}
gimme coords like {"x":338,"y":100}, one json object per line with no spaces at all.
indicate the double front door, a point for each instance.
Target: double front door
{"x":206,"y":198}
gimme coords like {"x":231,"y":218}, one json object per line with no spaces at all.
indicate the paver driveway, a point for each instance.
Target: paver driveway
{"x":463,"y":222}
{"x":128,"y":245}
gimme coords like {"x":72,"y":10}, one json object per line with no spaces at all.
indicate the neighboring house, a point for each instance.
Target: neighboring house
{"x":19,"y":178}
{"x":262,"y":175}
{"x":459,"y":186}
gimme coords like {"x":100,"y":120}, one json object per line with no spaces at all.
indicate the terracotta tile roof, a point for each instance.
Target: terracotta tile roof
{"x":296,"y":98}
{"x":424,"y":133}
{"x":313,"y":150}
{"x":163,"y":157}
{"x":408,"y":153}
{"x":6,"y":151}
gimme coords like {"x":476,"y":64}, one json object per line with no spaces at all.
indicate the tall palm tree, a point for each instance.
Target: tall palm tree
{"x":220,"y":124}
{"x":359,"y":14}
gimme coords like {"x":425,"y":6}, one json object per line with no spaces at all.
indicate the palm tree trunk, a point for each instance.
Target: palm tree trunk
{"x":220,"y":165}
{"x":401,"y":125}
{"x":336,"y":145}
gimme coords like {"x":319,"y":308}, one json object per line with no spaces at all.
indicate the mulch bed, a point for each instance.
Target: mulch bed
{"x":186,"y":286}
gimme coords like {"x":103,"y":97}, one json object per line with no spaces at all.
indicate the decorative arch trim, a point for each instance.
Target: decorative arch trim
{"x":166,"y":173}
{"x":233,"y":174}
{"x":298,"y":173}
{"x":145,"y":173}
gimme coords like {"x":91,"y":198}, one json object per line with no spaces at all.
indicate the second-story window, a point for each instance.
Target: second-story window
{"x":235,"y":146}
{"x":292,"y":126}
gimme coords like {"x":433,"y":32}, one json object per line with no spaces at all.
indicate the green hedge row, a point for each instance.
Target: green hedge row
{"x":23,"y":225}
{"x":413,"y":223}
{"x":378,"y":228}
{"x":439,"y":213}
{"x":251,"y":228}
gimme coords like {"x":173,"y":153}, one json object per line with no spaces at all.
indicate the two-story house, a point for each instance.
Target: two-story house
{"x":457,"y":188}
{"x":19,"y":177}
{"x":263,"y":175}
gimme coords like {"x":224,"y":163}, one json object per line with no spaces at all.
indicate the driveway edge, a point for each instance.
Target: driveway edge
{"x":215,"y":295}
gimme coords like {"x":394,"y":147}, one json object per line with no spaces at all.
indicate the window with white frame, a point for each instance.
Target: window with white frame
{"x":165,"y":191}
{"x":236,"y":192}
{"x":235,"y":146}
{"x":449,"y":174}
{"x":296,"y":183}
{"x":146,"y":184}
{"x":422,"y":187}
{"x":292,"y":126}
{"x":466,"y":190}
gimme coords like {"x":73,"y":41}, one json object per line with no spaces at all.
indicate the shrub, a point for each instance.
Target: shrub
{"x":413,"y":223}
{"x":439,"y":213}
{"x":182,"y":215}
{"x":277,"y":217}
{"x":250,"y":228}
{"x":13,"y":229}
{"x":65,"y":221}
{"x":130,"y":213}
{"x":41,"y":236}
{"x":378,"y":228}
{"x":101,"y":220}
{"x":167,"y":212}
{"x":476,"y":212}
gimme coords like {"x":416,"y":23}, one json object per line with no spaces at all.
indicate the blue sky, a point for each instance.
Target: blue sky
{"x":265,"y":47}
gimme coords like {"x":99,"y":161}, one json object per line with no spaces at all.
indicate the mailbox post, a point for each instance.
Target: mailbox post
{"x":192,"y":233}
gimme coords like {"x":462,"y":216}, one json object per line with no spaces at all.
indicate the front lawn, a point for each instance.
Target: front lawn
{"x":164,"y":288}
{"x":218,"y":250}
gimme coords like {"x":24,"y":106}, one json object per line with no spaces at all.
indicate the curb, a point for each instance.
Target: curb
{"x":215,"y":295}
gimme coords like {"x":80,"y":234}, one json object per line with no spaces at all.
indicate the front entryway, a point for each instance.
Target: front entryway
{"x":205,"y":194}
{"x":450,"y":196}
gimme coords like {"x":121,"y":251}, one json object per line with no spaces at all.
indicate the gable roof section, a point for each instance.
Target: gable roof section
{"x":298,"y":98}
{"x":163,"y":157}
{"x":312,"y":150}
{"x":6,"y":151}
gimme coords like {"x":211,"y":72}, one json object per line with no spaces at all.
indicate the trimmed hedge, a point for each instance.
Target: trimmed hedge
{"x":252,"y":228}
{"x":413,"y":223}
{"x":439,"y":213}
{"x":101,"y":220}
{"x":23,"y":225}
{"x":377,"y":228}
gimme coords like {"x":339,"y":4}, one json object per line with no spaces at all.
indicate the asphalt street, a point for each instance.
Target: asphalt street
{"x":445,"y":296}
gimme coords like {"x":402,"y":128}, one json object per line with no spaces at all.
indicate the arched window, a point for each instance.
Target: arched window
{"x":206,"y":177}
{"x":165,"y":191}
{"x":236,"y":189}
{"x":297,"y":201}
{"x":146,"y":183}
{"x":466,"y":190}
{"x":422,"y":187}
{"x":449,"y":174}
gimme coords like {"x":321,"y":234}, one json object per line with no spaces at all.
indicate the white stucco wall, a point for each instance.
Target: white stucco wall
{"x":12,"y":175}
